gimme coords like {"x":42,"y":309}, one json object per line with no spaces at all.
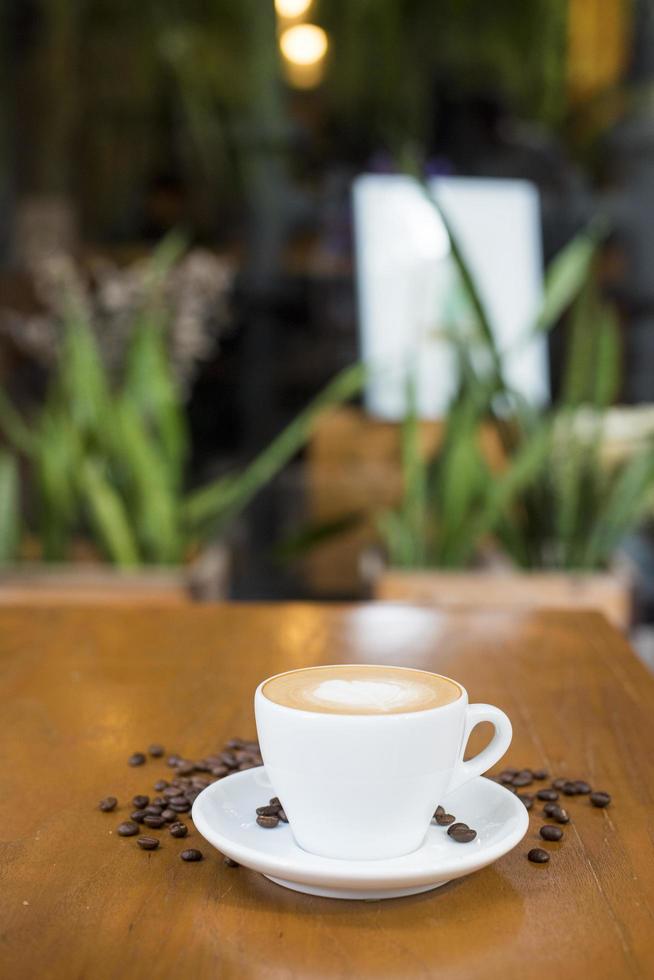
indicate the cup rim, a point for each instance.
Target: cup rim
{"x":463,"y":694}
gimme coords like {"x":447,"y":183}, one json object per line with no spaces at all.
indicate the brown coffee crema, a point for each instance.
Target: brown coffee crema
{"x":361,"y":689}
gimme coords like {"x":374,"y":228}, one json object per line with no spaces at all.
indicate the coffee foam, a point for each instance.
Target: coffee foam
{"x":361,"y":689}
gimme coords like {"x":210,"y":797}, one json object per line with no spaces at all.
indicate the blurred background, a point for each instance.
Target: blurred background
{"x":328,"y":299}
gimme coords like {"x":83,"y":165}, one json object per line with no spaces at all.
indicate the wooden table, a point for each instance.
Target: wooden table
{"x":83,"y":689}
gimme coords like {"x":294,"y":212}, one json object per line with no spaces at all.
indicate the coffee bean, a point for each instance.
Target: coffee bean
{"x":180,"y":807}
{"x":600,"y":799}
{"x":128,"y":828}
{"x":137,"y":759}
{"x":282,"y":816}
{"x":523,"y":778}
{"x":560,"y":815}
{"x":453,"y":828}
{"x":229,"y":759}
{"x":527,"y":799}
{"x":169,"y":816}
{"x":569,"y":789}
{"x":148,"y":843}
{"x":275,"y":800}
{"x":445,"y":819}
{"x":138,"y":815}
{"x":140,"y":801}
{"x":548,"y":832}
{"x":152,"y":810}
{"x":247,"y":765}
{"x":550,"y":809}
{"x":547,"y":794}
{"x":178,"y":799}
{"x":156,"y":823}
{"x":235,"y":743}
{"x":192,"y":854}
{"x":159,"y":801}
{"x":464,"y":835}
{"x":170,"y":792}
{"x":108,"y":804}
{"x":507,"y":775}
{"x":271,"y":810}
{"x":219,"y":771}
{"x":156,"y":751}
{"x":173,"y":760}
{"x":267,"y":820}
{"x":178,"y":829}
{"x":538,"y":855}
{"x":582,"y":787}
{"x":559,"y":783}
{"x":161,"y":784}
{"x":540,"y":774}
{"x":184,"y":768}
{"x":230,"y":864}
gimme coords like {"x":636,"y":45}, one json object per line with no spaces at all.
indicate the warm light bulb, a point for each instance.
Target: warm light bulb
{"x":304,"y":44}
{"x":292,"y":8}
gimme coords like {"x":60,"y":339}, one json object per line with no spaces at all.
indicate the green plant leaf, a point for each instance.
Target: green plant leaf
{"x":567,"y":273}
{"x":13,"y":427}
{"x":315,"y":533}
{"x":108,"y":514}
{"x":154,"y":503}
{"x":630,"y":495}
{"x":212,"y":506}
{"x":10,"y":522}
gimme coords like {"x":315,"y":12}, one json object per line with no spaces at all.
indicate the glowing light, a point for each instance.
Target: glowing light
{"x":304,"y":44}
{"x":292,"y":8}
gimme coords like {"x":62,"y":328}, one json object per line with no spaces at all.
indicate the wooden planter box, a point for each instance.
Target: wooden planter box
{"x":204,"y":579}
{"x":610,"y":593}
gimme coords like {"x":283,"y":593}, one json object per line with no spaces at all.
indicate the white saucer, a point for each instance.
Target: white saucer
{"x":224,"y":814}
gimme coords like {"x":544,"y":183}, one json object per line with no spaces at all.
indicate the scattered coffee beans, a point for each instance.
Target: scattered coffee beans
{"x":148,"y":843}
{"x":137,"y":759}
{"x":138,"y":815}
{"x":549,"y":832}
{"x":128,"y":828}
{"x":108,"y":804}
{"x":140,"y":801}
{"x":442,"y":818}
{"x":156,"y":751}
{"x":271,"y":809}
{"x":192,"y":854}
{"x":178,"y":829}
{"x":160,"y":785}
{"x":512,"y":778}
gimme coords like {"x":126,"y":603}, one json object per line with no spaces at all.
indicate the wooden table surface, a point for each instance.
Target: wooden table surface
{"x":83,"y":689}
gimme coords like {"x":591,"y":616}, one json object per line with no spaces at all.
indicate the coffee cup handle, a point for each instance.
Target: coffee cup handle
{"x":493,"y":752}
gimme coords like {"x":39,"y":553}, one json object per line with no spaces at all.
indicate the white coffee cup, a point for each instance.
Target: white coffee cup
{"x":365,"y":786}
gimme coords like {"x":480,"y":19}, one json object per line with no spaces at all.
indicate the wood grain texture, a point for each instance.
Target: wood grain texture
{"x":82,"y":689}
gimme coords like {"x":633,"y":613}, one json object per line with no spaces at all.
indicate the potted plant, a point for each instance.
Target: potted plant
{"x":99,"y":469}
{"x":545,"y":529}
